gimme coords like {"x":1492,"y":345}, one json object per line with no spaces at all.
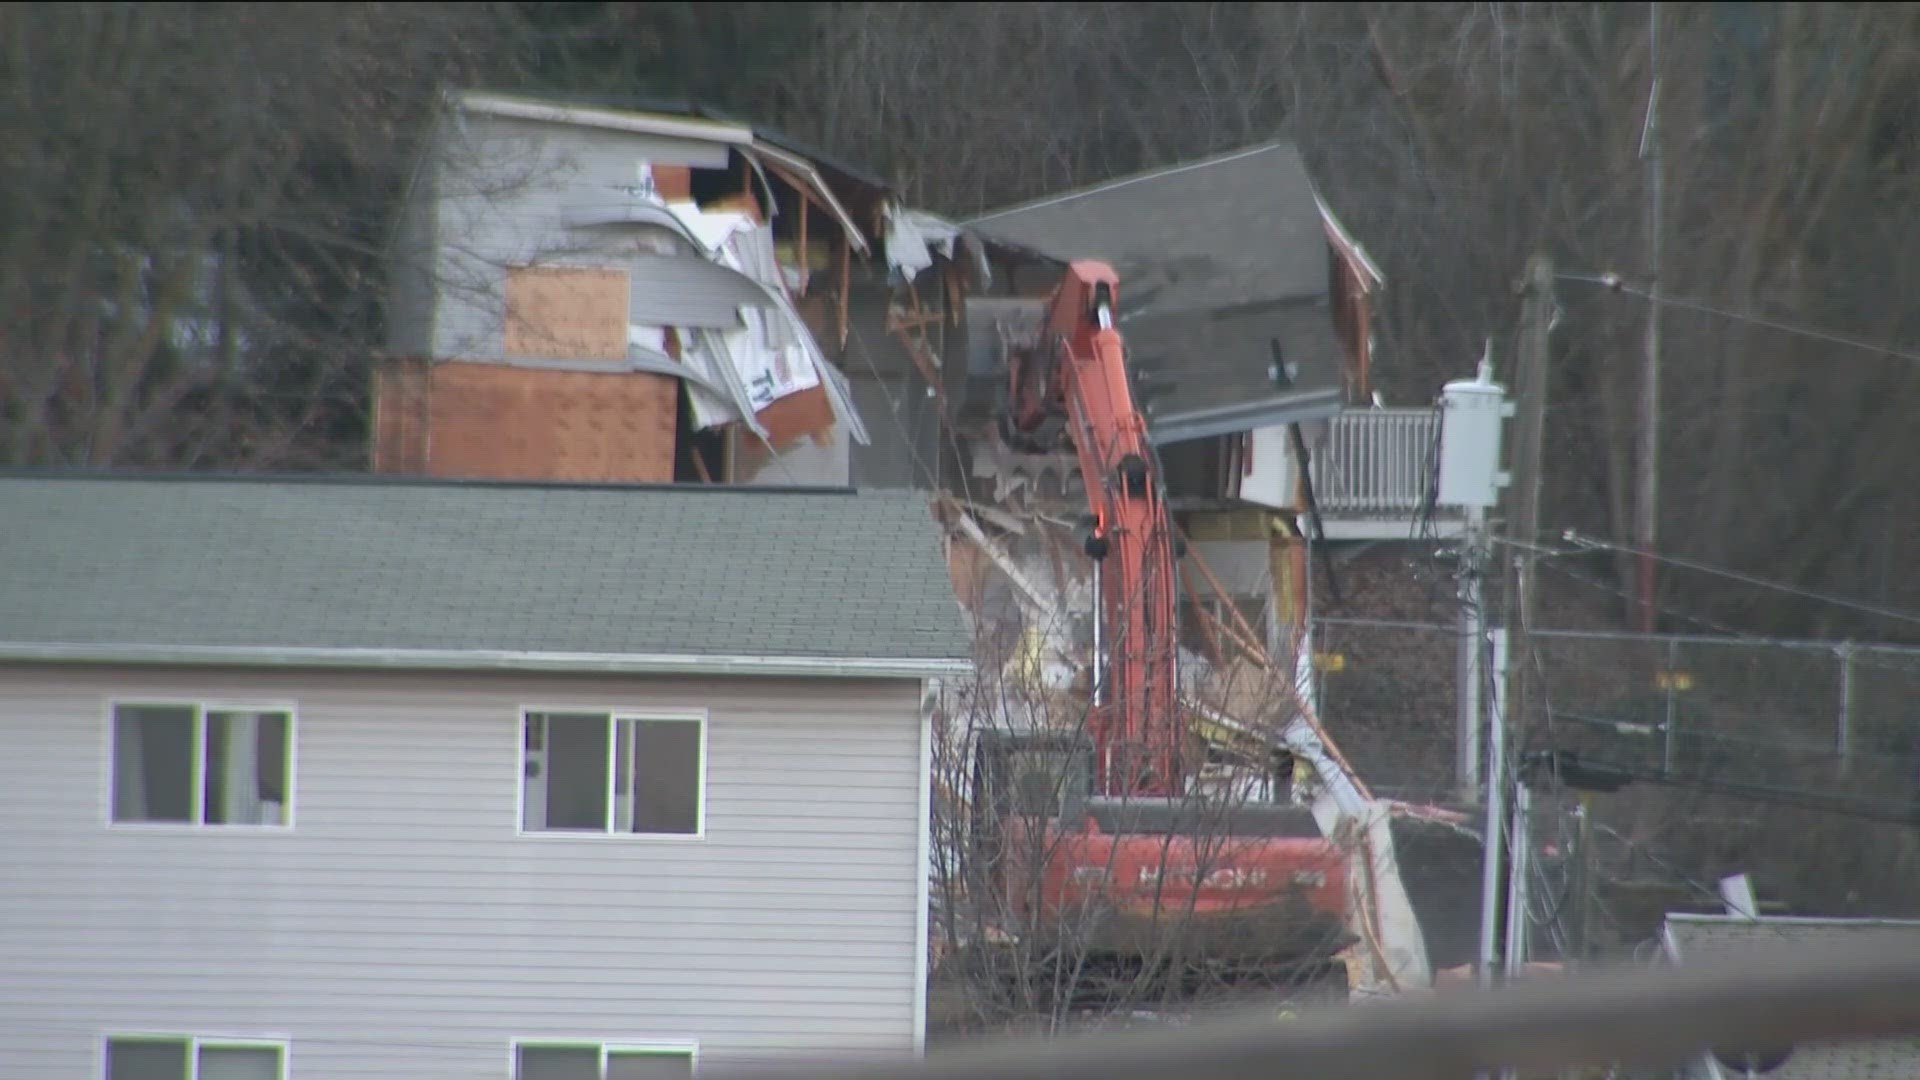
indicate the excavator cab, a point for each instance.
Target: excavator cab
{"x":1039,"y":775}
{"x":1032,"y":777}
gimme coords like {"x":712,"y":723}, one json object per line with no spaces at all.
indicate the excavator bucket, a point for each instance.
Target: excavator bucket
{"x":992,"y":326}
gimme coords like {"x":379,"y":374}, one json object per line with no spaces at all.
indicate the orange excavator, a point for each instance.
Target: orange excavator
{"x":1094,"y":832}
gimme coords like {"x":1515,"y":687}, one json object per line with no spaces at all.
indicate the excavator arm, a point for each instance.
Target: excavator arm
{"x":1077,"y":373}
{"x":1073,"y":381}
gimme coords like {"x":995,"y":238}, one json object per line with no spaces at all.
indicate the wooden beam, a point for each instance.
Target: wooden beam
{"x":806,"y":264}
{"x":1240,"y":621}
{"x":846,"y":277}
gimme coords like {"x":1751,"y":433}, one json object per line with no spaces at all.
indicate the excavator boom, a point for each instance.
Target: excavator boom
{"x":1079,"y":372}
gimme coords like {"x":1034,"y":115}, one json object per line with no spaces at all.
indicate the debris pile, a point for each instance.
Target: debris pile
{"x":1028,"y":593}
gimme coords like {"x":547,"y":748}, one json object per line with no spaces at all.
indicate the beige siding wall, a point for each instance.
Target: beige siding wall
{"x":403,"y":928}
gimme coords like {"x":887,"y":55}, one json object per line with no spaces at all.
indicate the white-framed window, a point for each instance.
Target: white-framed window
{"x":185,"y":1057}
{"x":603,"y":1061}
{"x":195,"y":763}
{"x":613,"y":773}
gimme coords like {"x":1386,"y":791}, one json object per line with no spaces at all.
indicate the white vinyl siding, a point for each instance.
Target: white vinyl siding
{"x":409,"y":930}
{"x":502,"y":192}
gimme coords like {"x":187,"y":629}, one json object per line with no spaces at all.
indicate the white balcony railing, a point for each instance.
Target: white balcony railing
{"x":1376,"y":461}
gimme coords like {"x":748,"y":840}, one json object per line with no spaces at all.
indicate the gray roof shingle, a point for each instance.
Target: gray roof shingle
{"x":1225,"y":231}
{"x":1715,"y":938}
{"x":365,"y":564}
{"x":1222,"y":263}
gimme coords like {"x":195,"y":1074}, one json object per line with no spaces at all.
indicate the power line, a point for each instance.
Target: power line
{"x":1591,"y":543}
{"x":1832,"y":337}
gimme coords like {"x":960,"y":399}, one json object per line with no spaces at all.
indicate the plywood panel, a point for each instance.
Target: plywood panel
{"x":400,"y":417}
{"x":494,"y":422}
{"x":567,"y":313}
{"x":674,"y":183}
{"x":796,"y":416}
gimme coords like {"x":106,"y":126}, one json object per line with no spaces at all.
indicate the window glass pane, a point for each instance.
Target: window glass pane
{"x":145,"y":1059}
{"x":623,"y":776}
{"x":246,"y":768}
{"x":649,"y":1065}
{"x":152,"y":763}
{"x":217,"y":769}
{"x":239,"y":1063}
{"x":576,"y":771}
{"x":557,"y":1063}
{"x":274,"y":769}
{"x":667,"y":767}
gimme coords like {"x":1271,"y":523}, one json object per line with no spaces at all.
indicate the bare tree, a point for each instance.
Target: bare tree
{"x":192,"y":246}
{"x":1160,"y":905}
{"x":970,"y":106}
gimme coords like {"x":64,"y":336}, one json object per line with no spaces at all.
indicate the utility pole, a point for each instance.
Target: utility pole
{"x":1469,"y":668}
{"x":1496,"y":882}
{"x":1520,"y":863}
{"x":1647,"y":507}
{"x":1472,"y":412}
{"x":1585,"y":867}
{"x":1491,"y":879}
{"x":1531,"y":374}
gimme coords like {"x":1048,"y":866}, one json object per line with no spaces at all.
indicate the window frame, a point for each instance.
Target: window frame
{"x":689,"y":1047}
{"x":201,"y":707}
{"x":194,"y":1045}
{"x":614,"y":717}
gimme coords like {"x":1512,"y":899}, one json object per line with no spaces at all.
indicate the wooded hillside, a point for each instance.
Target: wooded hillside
{"x":199,"y":199}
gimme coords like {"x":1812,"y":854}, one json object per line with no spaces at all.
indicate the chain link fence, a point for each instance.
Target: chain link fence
{"x":1822,"y":723}
{"x":1388,"y":693}
{"x":1794,"y":720}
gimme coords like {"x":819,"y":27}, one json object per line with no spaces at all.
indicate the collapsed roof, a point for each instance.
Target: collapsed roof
{"x":1225,"y":284}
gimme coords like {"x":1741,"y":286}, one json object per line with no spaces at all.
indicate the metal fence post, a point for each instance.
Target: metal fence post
{"x":1843,"y":725}
{"x":1673,"y":666}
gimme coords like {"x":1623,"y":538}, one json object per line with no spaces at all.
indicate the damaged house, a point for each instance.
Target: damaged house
{"x":602,"y":295}
{"x":1247,"y":310}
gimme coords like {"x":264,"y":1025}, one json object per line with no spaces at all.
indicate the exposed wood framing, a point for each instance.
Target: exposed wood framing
{"x":1248,"y":647}
{"x":1332,"y":750}
{"x":1207,"y":632}
{"x":846,"y":281}
{"x":806,"y":265}
{"x":955,"y":292}
{"x":911,"y":331}
{"x":401,"y":404}
{"x":1242,"y":628}
{"x":808,"y":201}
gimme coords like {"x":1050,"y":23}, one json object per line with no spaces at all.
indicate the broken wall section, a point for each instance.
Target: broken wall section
{"x":619,"y":296}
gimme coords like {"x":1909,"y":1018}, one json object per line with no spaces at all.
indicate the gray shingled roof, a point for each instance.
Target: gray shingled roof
{"x":1238,"y":228}
{"x":1220,"y":260}
{"x":189,"y":564}
{"x":1713,"y":938}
